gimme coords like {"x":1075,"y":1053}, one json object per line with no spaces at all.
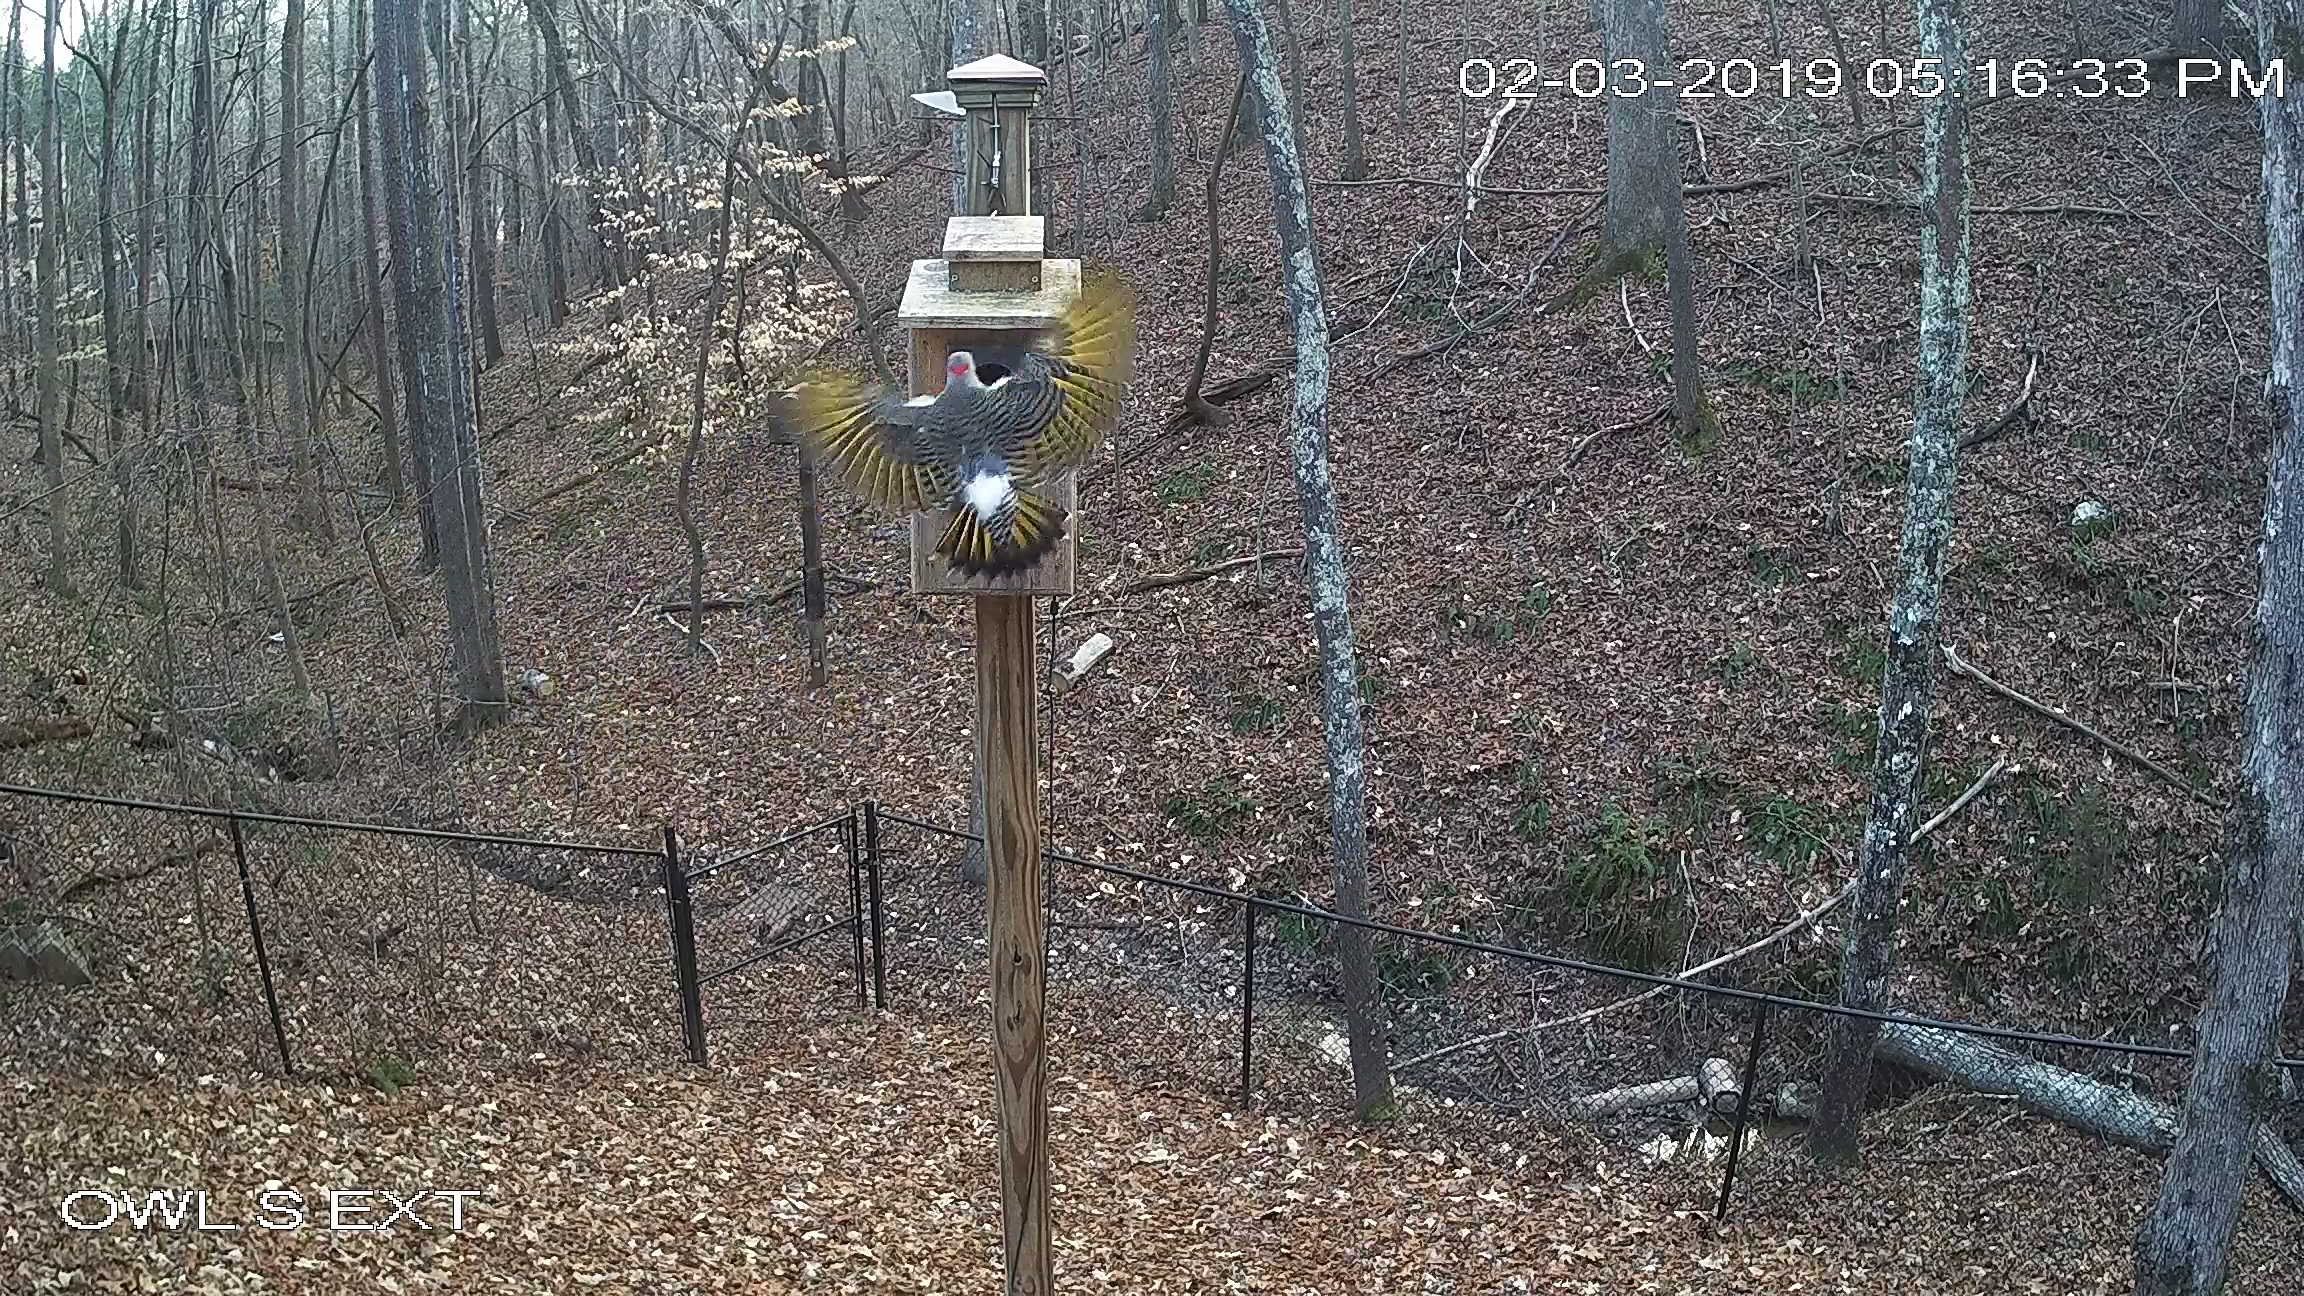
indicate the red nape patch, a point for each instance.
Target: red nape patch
{"x":956,"y":367}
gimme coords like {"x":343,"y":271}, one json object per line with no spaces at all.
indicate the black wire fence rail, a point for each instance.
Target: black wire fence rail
{"x":365,"y":944}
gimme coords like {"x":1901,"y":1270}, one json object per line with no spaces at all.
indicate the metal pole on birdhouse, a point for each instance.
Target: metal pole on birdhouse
{"x":993,"y":290}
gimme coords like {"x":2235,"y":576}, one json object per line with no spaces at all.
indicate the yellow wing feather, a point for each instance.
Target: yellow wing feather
{"x":836,"y":416}
{"x":1095,"y":345}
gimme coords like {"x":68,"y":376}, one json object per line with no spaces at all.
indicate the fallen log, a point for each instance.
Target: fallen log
{"x":1616,"y":1102}
{"x":1170,"y":580}
{"x":1962,"y":666}
{"x":96,"y":878}
{"x":1723,"y":1092}
{"x":1800,"y":923}
{"x":2066,"y":1097}
{"x":35,"y":730}
{"x":1793,"y":1102}
{"x":1084,"y":660}
{"x":582,"y":479}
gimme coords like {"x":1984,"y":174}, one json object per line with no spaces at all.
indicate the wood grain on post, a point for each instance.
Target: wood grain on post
{"x":1007,"y":738}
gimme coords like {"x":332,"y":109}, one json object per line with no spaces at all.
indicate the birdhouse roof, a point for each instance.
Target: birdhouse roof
{"x":997,"y":67}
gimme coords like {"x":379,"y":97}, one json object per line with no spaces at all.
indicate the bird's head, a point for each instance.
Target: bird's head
{"x":960,"y":370}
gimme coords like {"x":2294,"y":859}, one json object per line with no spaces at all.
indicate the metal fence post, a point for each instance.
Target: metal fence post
{"x":683,"y":948}
{"x":855,"y":901}
{"x":1247,"y":1004}
{"x":256,"y":933}
{"x":1743,"y":1107}
{"x":879,"y":911}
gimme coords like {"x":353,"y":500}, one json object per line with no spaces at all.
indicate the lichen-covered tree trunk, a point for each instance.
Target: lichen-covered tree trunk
{"x":1324,"y":559}
{"x":2182,"y":1247}
{"x":1643,"y":162}
{"x":1163,"y":109}
{"x":1907,"y":684}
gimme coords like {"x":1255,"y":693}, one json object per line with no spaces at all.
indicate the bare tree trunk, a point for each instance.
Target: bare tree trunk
{"x":480,"y":215}
{"x":303,"y":400}
{"x":961,"y":46}
{"x":16,"y":179}
{"x":1324,"y":562}
{"x":215,"y":256}
{"x":715,"y":301}
{"x":148,"y":374}
{"x":1295,"y":51}
{"x":852,"y":209}
{"x":1643,"y":160}
{"x":1907,"y":684}
{"x":612,"y":270}
{"x":50,"y":273}
{"x":1855,"y":85}
{"x":1163,"y":111}
{"x":1196,"y":406}
{"x":116,"y":390}
{"x":544,"y":144}
{"x":2198,"y":25}
{"x":812,"y":604}
{"x":372,"y":273}
{"x":1692,"y":410}
{"x":2184,"y":1244}
{"x":200,"y":153}
{"x":1400,"y":75}
{"x":419,"y":219}
{"x":1347,"y":59}
{"x":1032,"y":30}
{"x":812,"y":96}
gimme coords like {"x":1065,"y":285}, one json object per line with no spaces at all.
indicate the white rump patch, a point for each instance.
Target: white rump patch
{"x":988,"y":493}
{"x":921,"y":400}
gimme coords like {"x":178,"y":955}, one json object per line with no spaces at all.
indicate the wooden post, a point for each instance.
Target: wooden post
{"x":1007,"y":737}
{"x":993,"y":290}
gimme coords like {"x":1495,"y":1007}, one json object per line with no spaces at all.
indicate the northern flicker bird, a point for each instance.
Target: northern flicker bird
{"x":983,"y":449}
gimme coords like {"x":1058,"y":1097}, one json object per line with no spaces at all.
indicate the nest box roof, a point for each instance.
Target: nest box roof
{"x":996,"y":68}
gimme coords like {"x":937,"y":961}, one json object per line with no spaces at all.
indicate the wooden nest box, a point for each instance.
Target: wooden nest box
{"x":993,"y":292}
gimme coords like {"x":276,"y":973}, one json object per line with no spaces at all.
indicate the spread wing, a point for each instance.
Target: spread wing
{"x":1060,"y":402}
{"x":873,"y":436}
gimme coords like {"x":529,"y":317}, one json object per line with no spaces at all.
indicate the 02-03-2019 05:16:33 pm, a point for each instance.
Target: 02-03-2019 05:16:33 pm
{"x":1882,"y":78}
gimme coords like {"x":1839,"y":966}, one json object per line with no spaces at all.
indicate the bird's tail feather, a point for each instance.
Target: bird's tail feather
{"x":1015,"y":541}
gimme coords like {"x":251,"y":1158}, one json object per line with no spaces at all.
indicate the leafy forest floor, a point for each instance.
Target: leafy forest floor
{"x":1585,"y":644}
{"x":856,"y":1156}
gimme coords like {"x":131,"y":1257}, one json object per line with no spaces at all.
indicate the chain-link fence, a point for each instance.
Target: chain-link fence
{"x":213,"y":940}
{"x":217,"y":940}
{"x":1237,"y":994}
{"x":792,"y":913}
